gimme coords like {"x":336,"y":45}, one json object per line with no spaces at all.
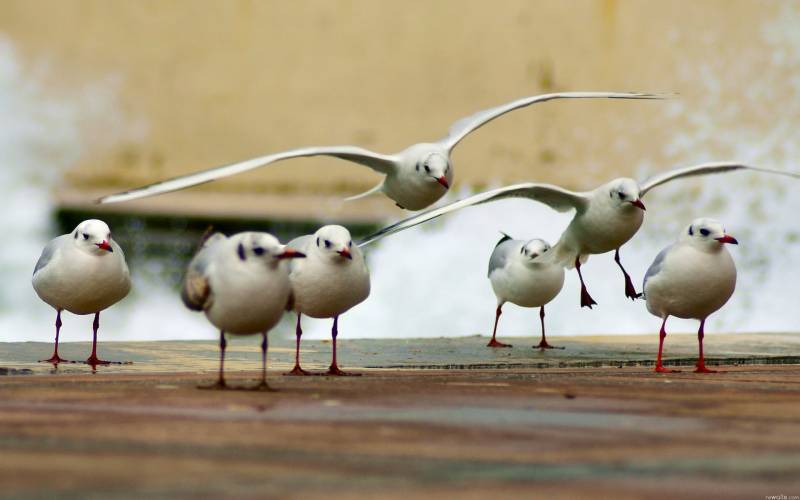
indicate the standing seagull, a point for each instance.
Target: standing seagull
{"x":521,"y":274}
{"x":241,"y":286}
{"x":415,"y":177}
{"x":83,"y":272}
{"x":692,"y":278}
{"x":605,"y":218}
{"x":329,"y":281}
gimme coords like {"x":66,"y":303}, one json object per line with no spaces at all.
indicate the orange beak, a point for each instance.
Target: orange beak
{"x":105,"y":246}
{"x":344,"y":252}
{"x":443,"y":181}
{"x":728,"y":239}
{"x":638,"y":203}
{"x":290,"y":253}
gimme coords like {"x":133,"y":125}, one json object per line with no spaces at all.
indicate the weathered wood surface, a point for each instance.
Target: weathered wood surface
{"x":557,"y":432}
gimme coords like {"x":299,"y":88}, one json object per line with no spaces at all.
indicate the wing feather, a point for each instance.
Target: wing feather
{"x":705,"y":169}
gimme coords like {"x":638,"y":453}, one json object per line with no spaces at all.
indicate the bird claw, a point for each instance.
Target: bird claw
{"x":263,"y":386}
{"x":661,"y":369}
{"x":703,"y":369}
{"x":219,"y":385}
{"x":334,"y":371}
{"x":55,"y":359}
{"x":544,"y":345}
{"x":298,"y":372}
{"x":586,"y":299}
{"x":495,"y":343}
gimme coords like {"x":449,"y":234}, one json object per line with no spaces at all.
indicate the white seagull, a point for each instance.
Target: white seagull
{"x":241,"y":285}
{"x":332,"y":279}
{"x":83,"y":272}
{"x":605,"y":218}
{"x":691,"y":279}
{"x":414,"y":178}
{"x":520,"y":273}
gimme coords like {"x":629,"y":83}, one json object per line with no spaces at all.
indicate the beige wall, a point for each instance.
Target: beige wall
{"x":216,"y":81}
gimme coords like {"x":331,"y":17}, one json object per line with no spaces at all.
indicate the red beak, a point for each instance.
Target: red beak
{"x":443,"y":181}
{"x":105,"y":246}
{"x":728,"y":239}
{"x":345,"y":253}
{"x":638,"y":203}
{"x":290,"y":253}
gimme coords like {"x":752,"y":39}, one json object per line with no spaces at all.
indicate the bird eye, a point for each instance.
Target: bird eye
{"x":85,"y":236}
{"x":621,"y":195}
{"x":350,"y":243}
{"x":258,"y":251}
{"x":705,"y":232}
{"x":427,"y":169}
{"x":327,"y":244}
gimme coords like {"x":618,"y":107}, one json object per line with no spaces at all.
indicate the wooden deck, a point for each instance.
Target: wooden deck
{"x":509,"y":423}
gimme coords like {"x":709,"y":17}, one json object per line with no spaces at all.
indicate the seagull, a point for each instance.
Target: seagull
{"x":242,"y":286}
{"x":415,"y":178}
{"x":83,"y":272}
{"x":691,"y":278}
{"x":521,"y":274}
{"x":605,"y":218}
{"x":331,"y":279}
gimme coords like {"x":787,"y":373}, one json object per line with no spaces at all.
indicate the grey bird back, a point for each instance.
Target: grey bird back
{"x":196,"y":291}
{"x":501,"y":251}
{"x":655,"y":267}
{"x":47,"y":254}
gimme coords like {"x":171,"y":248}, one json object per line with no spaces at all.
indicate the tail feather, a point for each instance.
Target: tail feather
{"x":376,"y":189}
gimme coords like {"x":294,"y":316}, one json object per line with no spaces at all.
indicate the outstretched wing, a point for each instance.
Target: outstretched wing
{"x":378,"y":162}
{"x":462,"y":127}
{"x":557,"y":198}
{"x":705,"y":169}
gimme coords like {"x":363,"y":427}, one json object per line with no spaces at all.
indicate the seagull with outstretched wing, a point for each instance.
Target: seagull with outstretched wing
{"x":605,"y":218}
{"x":415,"y":178}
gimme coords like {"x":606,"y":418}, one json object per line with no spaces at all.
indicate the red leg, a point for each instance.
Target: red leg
{"x":334,"y":369}
{"x":93,"y":360}
{"x":586,"y":299}
{"x":494,"y":342}
{"x":55,"y":358}
{"x":298,"y":332}
{"x":701,"y":363}
{"x":630,"y":290}
{"x":220,"y":383}
{"x":543,"y":343}
{"x":661,"y":336}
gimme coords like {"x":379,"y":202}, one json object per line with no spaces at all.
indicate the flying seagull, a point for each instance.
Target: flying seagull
{"x":415,"y":178}
{"x":691,"y":279}
{"x":605,"y":218}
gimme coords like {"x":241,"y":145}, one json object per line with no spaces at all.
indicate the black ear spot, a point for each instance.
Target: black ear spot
{"x":76,"y":234}
{"x":691,"y":233}
{"x":240,"y":251}
{"x":317,"y":240}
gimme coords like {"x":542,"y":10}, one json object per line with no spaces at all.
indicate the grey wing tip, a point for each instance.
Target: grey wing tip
{"x":504,"y":238}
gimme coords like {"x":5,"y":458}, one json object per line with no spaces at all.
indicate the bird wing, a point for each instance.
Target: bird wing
{"x":501,"y":252}
{"x":705,"y":169}
{"x":196,"y":292}
{"x":655,"y":267}
{"x":464,"y":126}
{"x":48,"y":253}
{"x":557,"y":198}
{"x":378,"y":162}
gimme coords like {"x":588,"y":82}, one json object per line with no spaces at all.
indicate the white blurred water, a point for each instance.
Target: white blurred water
{"x":431,"y":281}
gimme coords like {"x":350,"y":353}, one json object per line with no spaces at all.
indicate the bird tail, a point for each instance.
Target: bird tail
{"x":369,"y":192}
{"x":565,"y":255}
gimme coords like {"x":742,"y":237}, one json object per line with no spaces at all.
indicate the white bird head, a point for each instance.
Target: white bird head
{"x":624,"y":193}
{"x":533,"y":249}
{"x":435,"y":167}
{"x":93,"y":236}
{"x":262,"y":247}
{"x":334,"y":242}
{"x":707,"y":233}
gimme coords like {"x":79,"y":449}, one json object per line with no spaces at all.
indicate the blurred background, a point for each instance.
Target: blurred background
{"x":98,"y":96}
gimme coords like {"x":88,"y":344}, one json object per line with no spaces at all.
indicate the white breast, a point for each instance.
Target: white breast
{"x":325,"y":288}
{"x":83,"y":283}
{"x":527,"y":286}
{"x":692,"y":283}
